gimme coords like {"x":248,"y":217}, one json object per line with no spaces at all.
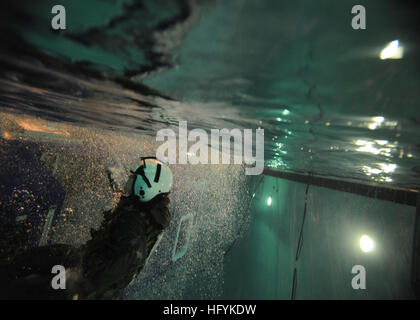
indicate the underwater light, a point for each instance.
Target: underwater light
{"x":379,"y":119}
{"x":392,"y":51}
{"x":269,"y":201}
{"x":366,"y":243}
{"x":372,"y":126}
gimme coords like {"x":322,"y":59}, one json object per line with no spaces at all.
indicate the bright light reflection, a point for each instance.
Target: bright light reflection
{"x":378,"y":119}
{"x":388,"y":168}
{"x":378,"y":173}
{"x":269,"y":200}
{"x":375,"y":147}
{"x":366,"y":243}
{"x":392,"y":51}
{"x":381,"y":142}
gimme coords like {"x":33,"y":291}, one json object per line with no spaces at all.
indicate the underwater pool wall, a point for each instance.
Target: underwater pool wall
{"x":270,"y":262}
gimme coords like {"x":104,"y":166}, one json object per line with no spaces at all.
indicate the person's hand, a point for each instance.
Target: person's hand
{"x":160,"y":211}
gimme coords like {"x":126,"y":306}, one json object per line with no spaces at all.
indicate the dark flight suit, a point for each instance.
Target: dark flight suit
{"x":100,"y":269}
{"x":119,"y":249}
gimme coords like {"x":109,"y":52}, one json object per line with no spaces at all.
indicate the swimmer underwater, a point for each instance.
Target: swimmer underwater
{"x":104,"y":266}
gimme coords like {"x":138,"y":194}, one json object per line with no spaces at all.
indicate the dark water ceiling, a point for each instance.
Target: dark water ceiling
{"x":328,"y":104}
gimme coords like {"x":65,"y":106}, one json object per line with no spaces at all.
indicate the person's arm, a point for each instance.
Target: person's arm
{"x":160,"y":213}
{"x":119,"y":249}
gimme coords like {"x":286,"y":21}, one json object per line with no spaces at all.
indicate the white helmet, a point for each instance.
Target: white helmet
{"x":152,"y":178}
